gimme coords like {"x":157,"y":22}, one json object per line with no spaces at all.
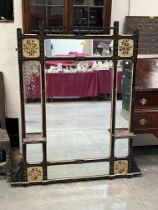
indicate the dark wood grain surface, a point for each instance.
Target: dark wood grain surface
{"x":146,"y":100}
{"x":147,"y":74}
{"x":148,"y":32}
{"x":146,"y":97}
{"x":145,"y":120}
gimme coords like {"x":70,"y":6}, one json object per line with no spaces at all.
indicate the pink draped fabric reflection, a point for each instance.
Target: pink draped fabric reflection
{"x":80,"y":84}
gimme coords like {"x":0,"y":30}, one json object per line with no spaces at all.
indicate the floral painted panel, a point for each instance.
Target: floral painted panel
{"x":121,"y":167}
{"x":125,"y":48}
{"x":35,"y":174}
{"x":31,"y":48}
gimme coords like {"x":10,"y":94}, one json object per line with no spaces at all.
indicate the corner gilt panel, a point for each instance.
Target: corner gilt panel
{"x":30,"y":48}
{"x":125,"y":47}
{"x":121,"y":167}
{"x":35,"y":174}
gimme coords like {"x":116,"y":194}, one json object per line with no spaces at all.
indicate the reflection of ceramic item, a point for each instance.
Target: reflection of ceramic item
{"x":66,"y":71}
{"x":105,"y":51}
{"x":96,"y":53}
{"x":106,"y":65}
{"x":100,"y":65}
{"x":89,"y":70}
{"x":94,"y":66}
{"x":55,"y":71}
{"x":59,"y":67}
{"x":78,"y":67}
{"x":50,"y":70}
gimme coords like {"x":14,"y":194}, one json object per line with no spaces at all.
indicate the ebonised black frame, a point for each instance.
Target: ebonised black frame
{"x":33,"y":174}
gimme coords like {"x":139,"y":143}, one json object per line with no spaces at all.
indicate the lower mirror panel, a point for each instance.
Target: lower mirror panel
{"x":78,"y":170}
{"x":34,"y":153}
{"x":121,"y":148}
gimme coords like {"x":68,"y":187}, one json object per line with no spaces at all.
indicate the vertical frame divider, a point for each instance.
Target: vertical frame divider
{"x":43,"y":101}
{"x":66,"y":16}
{"x":23,"y":126}
{"x":136,"y":39}
{"x":43,"y":91}
{"x":114,"y":96}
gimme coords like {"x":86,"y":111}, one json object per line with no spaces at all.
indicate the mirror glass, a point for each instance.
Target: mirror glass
{"x":34,"y":153}
{"x":32,"y":93}
{"x":78,"y":95}
{"x":78,"y":47}
{"x":79,"y":170}
{"x":124,"y":73}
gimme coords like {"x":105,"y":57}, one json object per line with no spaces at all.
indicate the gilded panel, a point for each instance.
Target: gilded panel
{"x":35,"y":174}
{"x":125,"y":47}
{"x":30,"y":48}
{"x":121,"y":167}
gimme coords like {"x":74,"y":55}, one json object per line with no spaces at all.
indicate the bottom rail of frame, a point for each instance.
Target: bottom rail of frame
{"x":36,"y":175}
{"x":79,"y":179}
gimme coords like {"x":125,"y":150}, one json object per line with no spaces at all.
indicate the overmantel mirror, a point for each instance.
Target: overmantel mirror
{"x":75,"y":141}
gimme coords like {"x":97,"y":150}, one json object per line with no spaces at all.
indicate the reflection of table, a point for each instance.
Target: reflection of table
{"x":81,"y":84}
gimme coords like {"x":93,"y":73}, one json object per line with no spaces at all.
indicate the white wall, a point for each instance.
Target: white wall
{"x":143,"y":7}
{"x":8,"y":61}
{"x":120,"y":9}
{"x":67,"y":46}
